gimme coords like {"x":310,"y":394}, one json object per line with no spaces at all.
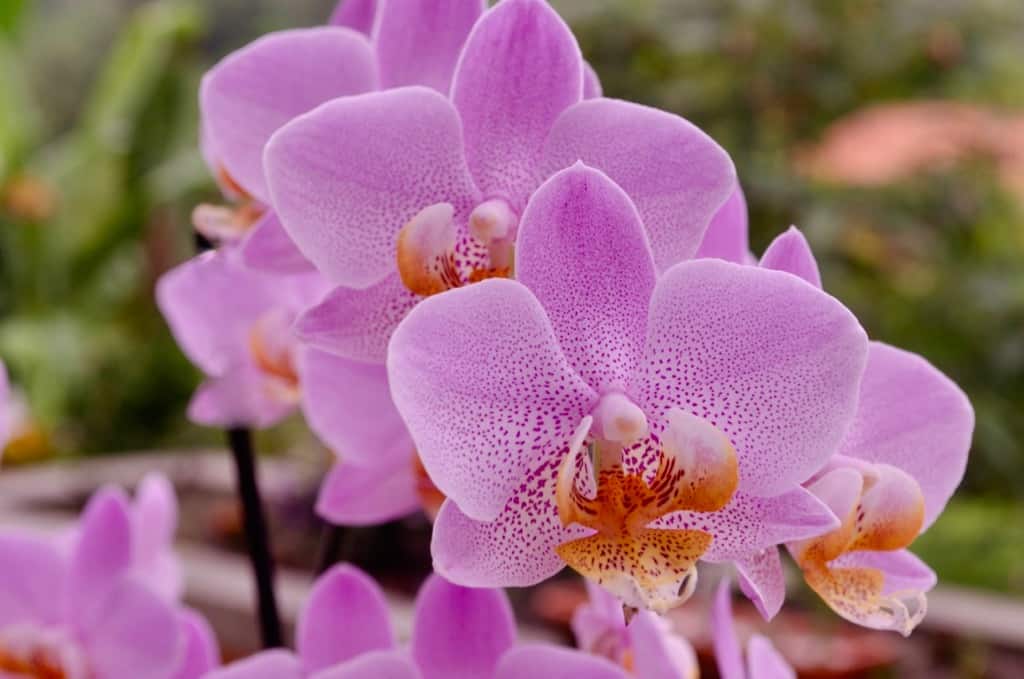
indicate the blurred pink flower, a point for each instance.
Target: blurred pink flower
{"x":344,"y":632}
{"x":705,"y":397}
{"x":763,"y":661}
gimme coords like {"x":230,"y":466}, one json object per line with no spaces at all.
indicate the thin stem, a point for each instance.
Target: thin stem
{"x":330,"y":544}
{"x":256,"y":536}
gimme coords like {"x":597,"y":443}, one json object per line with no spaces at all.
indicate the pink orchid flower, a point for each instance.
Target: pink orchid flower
{"x":897,"y":466}
{"x":254,"y":91}
{"x":344,"y":632}
{"x":646,"y":646}
{"x":763,"y":661}
{"x":235,"y":325}
{"x":594,"y":414}
{"x":82,"y":613}
{"x":401,"y":194}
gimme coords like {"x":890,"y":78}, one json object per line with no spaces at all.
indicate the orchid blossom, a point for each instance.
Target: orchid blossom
{"x":646,"y":646}
{"x":82,"y":612}
{"x":401,"y":194}
{"x":254,"y":91}
{"x":897,"y":466}
{"x":763,"y":661}
{"x":594,"y":414}
{"x":344,"y":632}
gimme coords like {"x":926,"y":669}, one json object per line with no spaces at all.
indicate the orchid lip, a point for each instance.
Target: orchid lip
{"x":28,"y":651}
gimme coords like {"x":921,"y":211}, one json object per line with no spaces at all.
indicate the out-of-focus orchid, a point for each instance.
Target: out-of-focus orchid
{"x":646,"y":647}
{"x":235,"y":325}
{"x":82,"y":613}
{"x":763,"y":661}
{"x":596,"y":415}
{"x":344,"y":632}
{"x":401,"y":194}
{"x":898,"y":465}
{"x":252,"y":92}
{"x":154,"y":517}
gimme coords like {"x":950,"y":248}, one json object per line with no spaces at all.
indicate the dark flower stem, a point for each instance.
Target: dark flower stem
{"x":330,"y":545}
{"x":256,"y":536}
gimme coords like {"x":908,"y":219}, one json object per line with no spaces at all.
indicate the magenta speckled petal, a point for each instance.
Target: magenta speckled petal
{"x":658,"y":653}
{"x":726,"y":237}
{"x":344,"y":593}
{"x":531,"y":661}
{"x":348,"y":406}
{"x":765,"y":662}
{"x":419,"y":41}
{"x":728,"y":654}
{"x":252,"y":92}
{"x":460,"y":632}
{"x":355,"y":14}
{"x":351,"y":495}
{"x":357,"y":324}
{"x":347,"y":176}
{"x":134,"y":634}
{"x":373,"y":665}
{"x":520,"y":69}
{"x":201,"y":654}
{"x":677,"y":176}
{"x":772,"y":362}
{"x":903,"y":570}
{"x":243,"y":397}
{"x":583,"y":252}
{"x":912,"y":417}
{"x":101,"y":555}
{"x":32,"y":586}
{"x":591,"y":82}
{"x":267,"y":247}
{"x":761,"y":578}
{"x":485,"y":390}
{"x":274,"y":664}
{"x":791,"y":253}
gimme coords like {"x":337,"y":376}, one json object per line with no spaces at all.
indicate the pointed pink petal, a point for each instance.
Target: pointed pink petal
{"x":912,"y":417}
{"x":256,"y":90}
{"x":597,"y":302}
{"x":677,"y":176}
{"x":763,"y":581}
{"x":531,"y":661}
{"x":419,"y":41}
{"x":242,"y":397}
{"x":346,"y":177}
{"x":134,"y":634}
{"x":726,"y":237}
{"x":357,"y":324}
{"x":267,"y":247}
{"x":355,"y":14}
{"x":460,"y":632}
{"x":364,"y":496}
{"x":765,"y":662}
{"x":102,"y":553}
{"x":487,"y":393}
{"x":591,"y":82}
{"x":520,"y":69}
{"x":346,"y":615}
{"x":373,"y":665}
{"x":32,"y":588}
{"x":771,"y":361}
{"x":791,"y":253}
{"x":728,"y":655}
{"x":154,"y":522}
{"x":659,"y":653}
{"x":201,"y":654}
{"x":275,"y":664}
{"x":903,"y":570}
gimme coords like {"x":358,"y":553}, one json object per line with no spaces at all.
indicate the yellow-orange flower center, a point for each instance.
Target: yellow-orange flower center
{"x":274,"y":359}
{"x":430,"y":497}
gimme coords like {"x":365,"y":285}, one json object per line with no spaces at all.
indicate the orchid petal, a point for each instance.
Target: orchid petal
{"x":102,"y":554}
{"x":201,"y":654}
{"x":765,"y":662}
{"x":728,"y":654}
{"x":591,"y":82}
{"x":791,"y":253}
{"x":154,"y":522}
{"x":373,"y":665}
{"x":133,"y":635}
{"x":351,"y":495}
{"x":761,"y":578}
{"x":902,"y":569}
{"x":243,"y":397}
{"x":726,"y":237}
{"x":355,"y":14}
{"x":530,"y":661}
{"x":658,"y":653}
{"x":273,"y":664}
{"x":32,"y":589}
{"x":268,"y":247}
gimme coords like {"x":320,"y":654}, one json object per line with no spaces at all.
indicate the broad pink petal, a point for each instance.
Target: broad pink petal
{"x":912,"y":417}
{"x":355,"y":14}
{"x":268,"y":247}
{"x":765,"y":662}
{"x":357,"y":324}
{"x":419,"y":41}
{"x":728,"y":654}
{"x":531,"y":661}
{"x":726,"y":237}
{"x":134,"y":634}
{"x":351,"y":495}
{"x":791,"y":253}
{"x":460,"y":632}
{"x":677,"y":176}
{"x":348,"y":406}
{"x":32,"y":587}
{"x":659,"y":653}
{"x":520,"y":69}
{"x":346,"y":615}
{"x":347,"y":176}
{"x":201,"y":654}
{"x":583,"y":252}
{"x":274,"y":664}
{"x":591,"y":82}
{"x":487,"y":393}
{"x":903,"y":570}
{"x":772,"y":362}
{"x":761,"y":578}
{"x":373,"y":665}
{"x":256,"y":90}
{"x":101,"y":555}
{"x":242,"y":397}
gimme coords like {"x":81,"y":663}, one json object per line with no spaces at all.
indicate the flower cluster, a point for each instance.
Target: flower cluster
{"x":531,"y":311}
